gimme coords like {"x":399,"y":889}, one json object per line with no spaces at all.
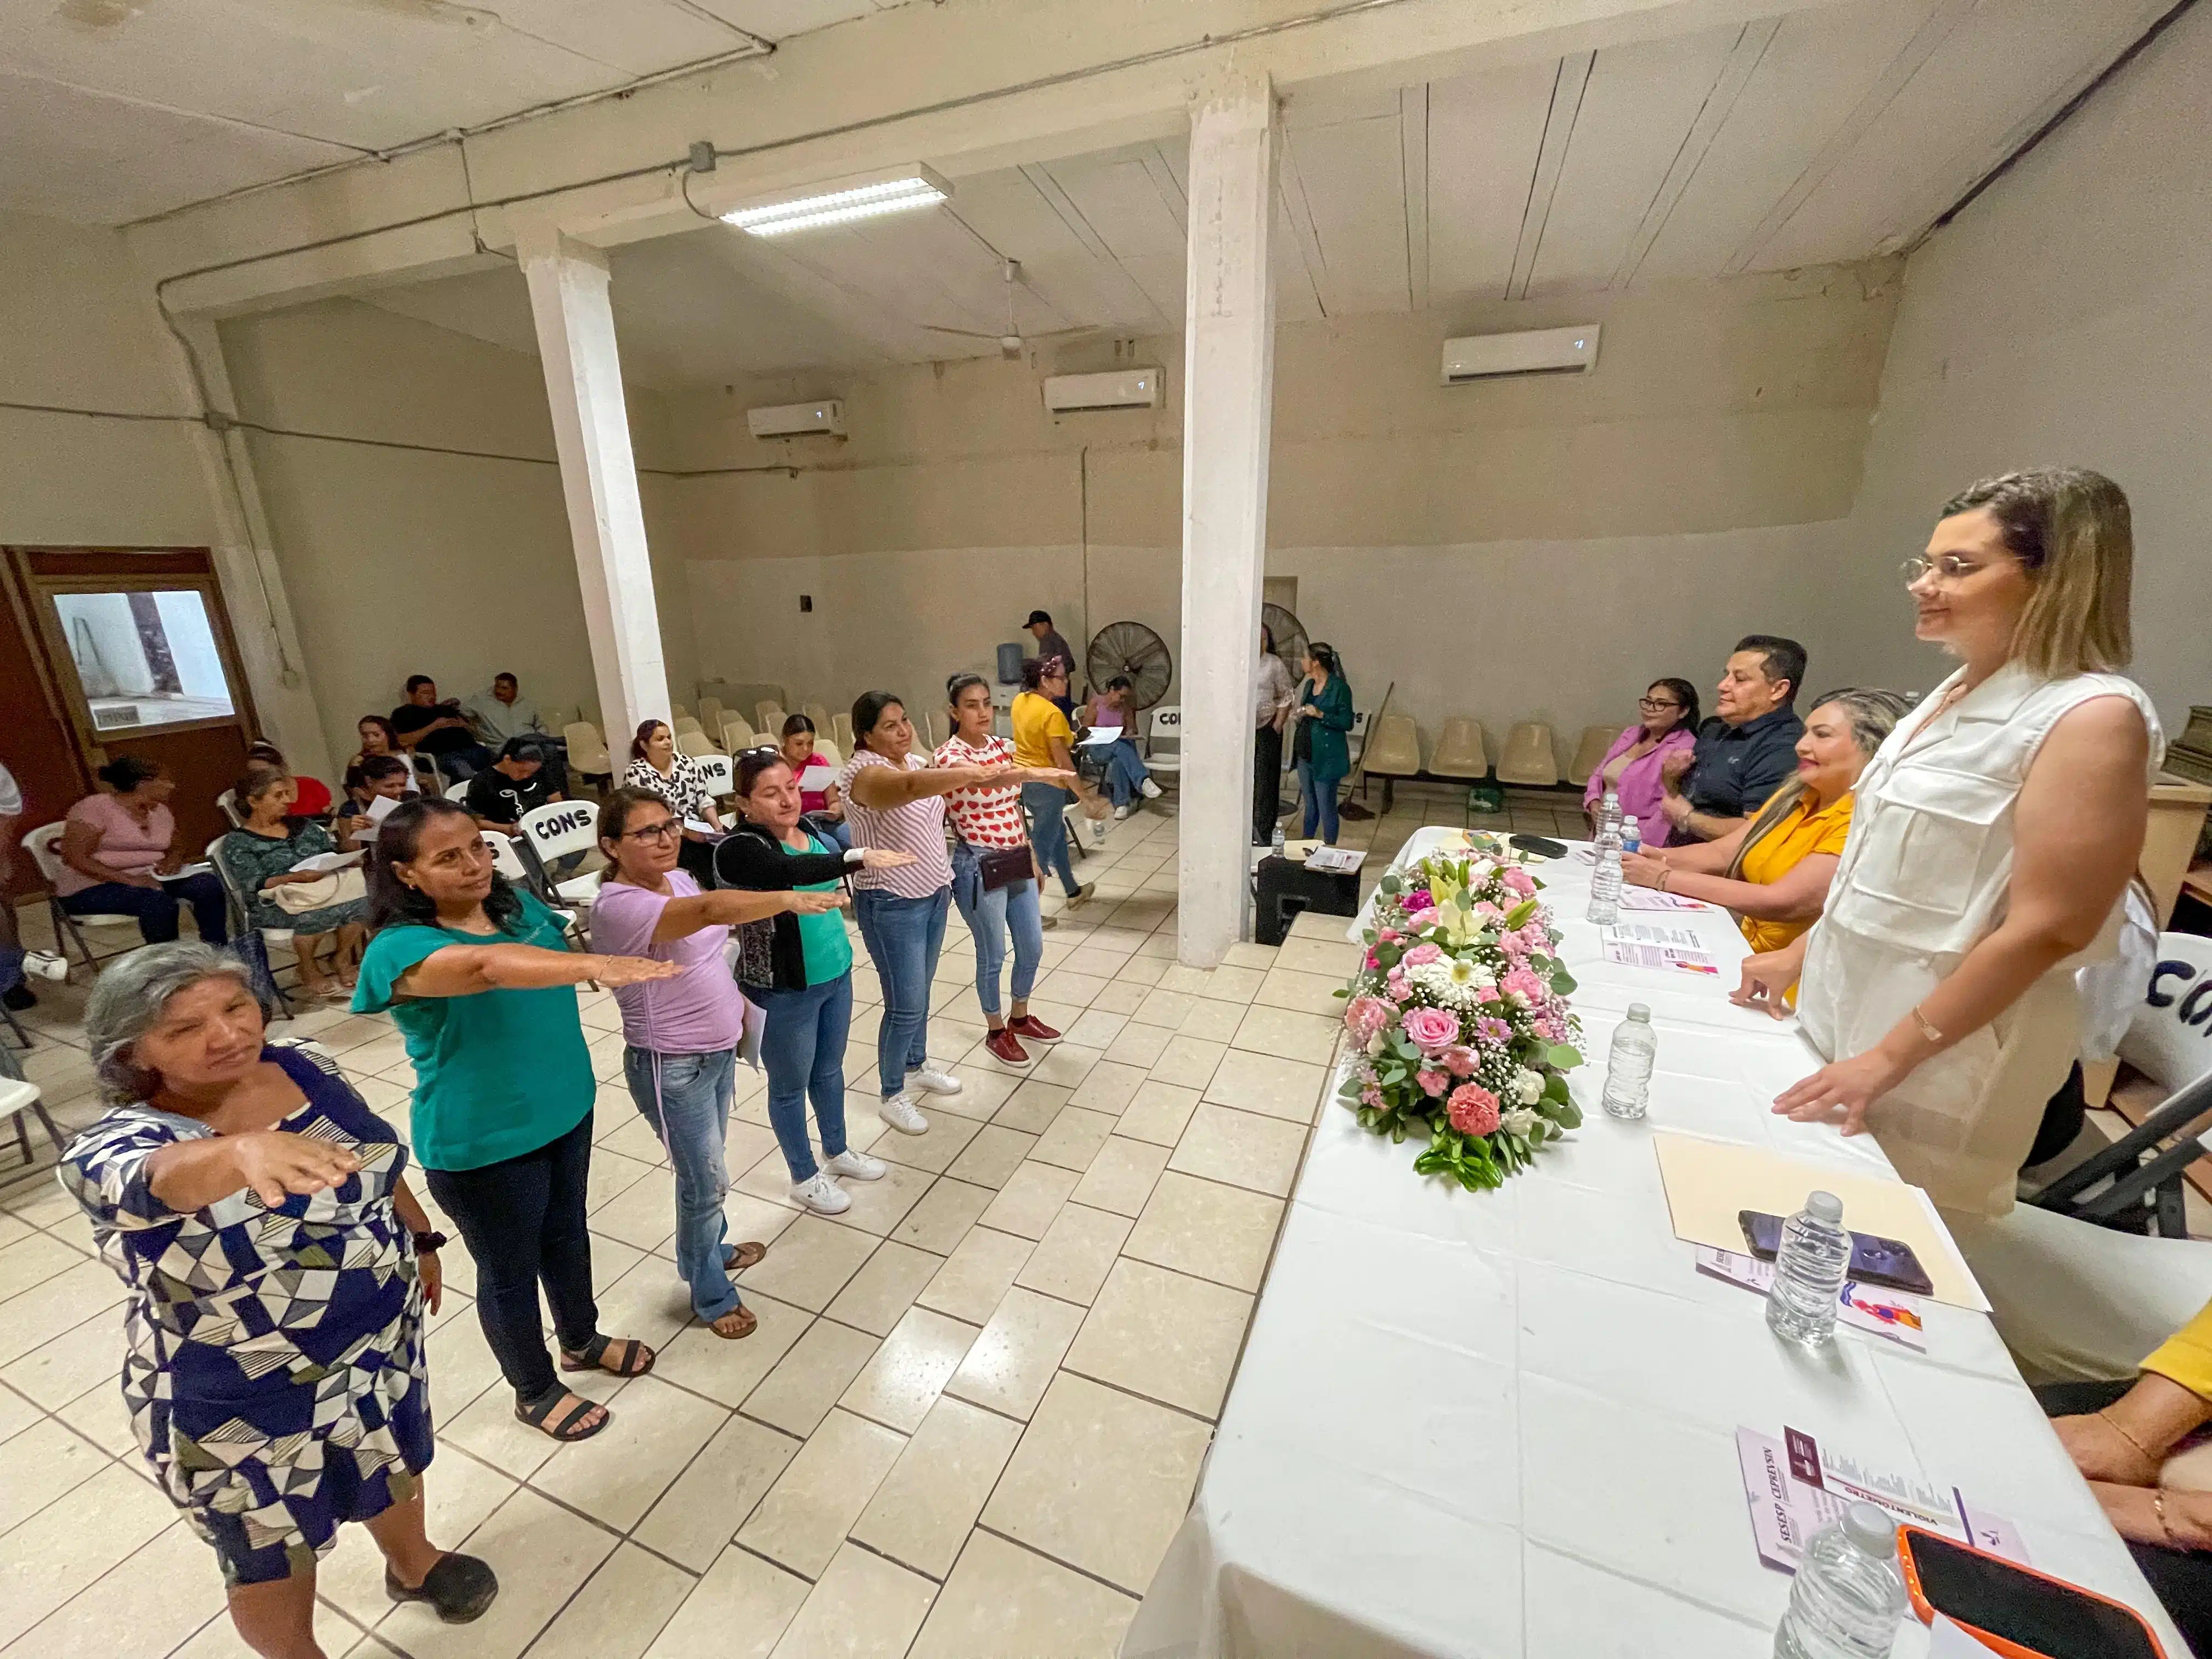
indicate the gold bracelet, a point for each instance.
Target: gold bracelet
{"x":1666,"y":875}
{"x":2114,"y":1424}
{"x":1927,"y":1031}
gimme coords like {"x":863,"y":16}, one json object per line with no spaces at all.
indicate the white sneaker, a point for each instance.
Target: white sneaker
{"x":1150,"y":790}
{"x":1120,"y":813}
{"x":899,"y":1111}
{"x":859,"y":1166}
{"x":821,"y":1194}
{"x":935,"y":1078}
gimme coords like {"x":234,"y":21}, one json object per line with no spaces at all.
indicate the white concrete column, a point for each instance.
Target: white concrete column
{"x":1228,"y":376}
{"x":598,"y":475}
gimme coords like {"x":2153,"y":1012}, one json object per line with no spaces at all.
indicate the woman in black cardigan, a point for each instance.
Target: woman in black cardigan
{"x":800,"y":971}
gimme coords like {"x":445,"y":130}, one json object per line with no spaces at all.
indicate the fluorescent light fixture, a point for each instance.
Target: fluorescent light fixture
{"x":841,"y":201}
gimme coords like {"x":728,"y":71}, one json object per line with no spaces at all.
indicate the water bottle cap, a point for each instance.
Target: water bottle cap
{"x":1825,"y":1206}
{"x":1637,"y":1011}
{"x":1872,"y":1530}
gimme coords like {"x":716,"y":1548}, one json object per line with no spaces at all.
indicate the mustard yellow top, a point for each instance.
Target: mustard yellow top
{"x":2186,"y":1356}
{"x":1036,"y":721}
{"x":1797,"y":837}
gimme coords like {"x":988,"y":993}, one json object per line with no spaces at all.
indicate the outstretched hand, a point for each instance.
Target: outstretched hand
{"x":277,"y":1165}
{"x":613,"y":971}
{"x":884,"y":858}
{"x":1849,"y":1087}
{"x":815,"y":904}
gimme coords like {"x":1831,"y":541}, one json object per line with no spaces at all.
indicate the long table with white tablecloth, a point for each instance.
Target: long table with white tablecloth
{"x":1504,"y":1423}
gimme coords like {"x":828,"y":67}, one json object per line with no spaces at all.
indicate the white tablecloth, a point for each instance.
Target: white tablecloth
{"x":1504,"y":1423}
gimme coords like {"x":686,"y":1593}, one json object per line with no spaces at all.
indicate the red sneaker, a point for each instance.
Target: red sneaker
{"x":1002,"y":1042}
{"x":1035,"y":1030}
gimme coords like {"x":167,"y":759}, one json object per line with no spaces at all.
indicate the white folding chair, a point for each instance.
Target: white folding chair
{"x":40,"y":844}
{"x":719,"y":773}
{"x":458,"y":790}
{"x":227,"y":802}
{"x":1165,"y":725}
{"x":557,"y":830}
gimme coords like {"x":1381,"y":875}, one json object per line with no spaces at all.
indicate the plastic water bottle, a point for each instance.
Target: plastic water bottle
{"x":1809,"y":1271}
{"x":1632,"y":834}
{"x":1275,"y":844}
{"x":1605,"y":879}
{"x":1608,"y":811}
{"x":1628,"y":1064}
{"x":1849,"y":1596}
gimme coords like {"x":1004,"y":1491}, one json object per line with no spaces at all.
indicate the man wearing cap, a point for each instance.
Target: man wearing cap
{"x":1049,"y":645}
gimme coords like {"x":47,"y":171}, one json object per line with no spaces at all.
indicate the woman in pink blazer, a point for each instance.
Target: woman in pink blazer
{"x":1669,"y":722}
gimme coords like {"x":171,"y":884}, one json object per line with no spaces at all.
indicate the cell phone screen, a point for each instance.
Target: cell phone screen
{"x":1881,"y":1260}
{"x":2023,"y":1608}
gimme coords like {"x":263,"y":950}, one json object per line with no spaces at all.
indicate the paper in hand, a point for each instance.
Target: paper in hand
{"x":816,"y":779}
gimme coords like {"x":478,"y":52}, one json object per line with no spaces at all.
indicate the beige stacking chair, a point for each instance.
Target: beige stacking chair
{"x":1459,"y":752}
{"x":588,"y":751}
{"x":831,"y":755}
{"x":768,"y":719}
{"x":679,"y":711}
{"x":695,"y":743}
{"x":1530,"y":757}
{"x":841,"y":727}
{"x":819,"y":714}
{"x":1589,"y":753}
{"x":737,"y":736}
{"x":710,"y":714}
{"x":1393,"y":751}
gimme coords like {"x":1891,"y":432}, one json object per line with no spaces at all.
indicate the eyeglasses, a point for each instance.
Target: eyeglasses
{"x":1948,"y":569}
{"x":668,"y":829}
{"x":1653,"y":706}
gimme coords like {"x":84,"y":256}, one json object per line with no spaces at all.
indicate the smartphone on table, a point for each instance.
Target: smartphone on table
{"x":1877,"y":1259}
{"x":2014,"y":1610}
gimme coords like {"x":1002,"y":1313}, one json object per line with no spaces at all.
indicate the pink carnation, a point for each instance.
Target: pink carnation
{"x":1368,"y":1017}
{"x":1421,"y":953}
{"x":1373,"y":961}
{"x":1433,"y":1083}
{"x":1473,"y":1110}
{"x":1420,"y":899}
{"x":1420,"y":919}
{"x":1432,"y":1029}
{"x":1523,"y":984}
{"x":1519,"y":880}
{"x":1486,"y":993}
{"x":1390,"y":936}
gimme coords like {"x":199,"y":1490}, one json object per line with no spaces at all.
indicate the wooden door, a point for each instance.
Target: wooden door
{"x":136,"y":651}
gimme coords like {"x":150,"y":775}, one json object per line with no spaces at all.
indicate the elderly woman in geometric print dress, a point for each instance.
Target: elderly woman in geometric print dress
{"x":278,"y":1268}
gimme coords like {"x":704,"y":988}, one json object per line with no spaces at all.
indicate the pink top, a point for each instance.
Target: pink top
{"x":984,"y":817}
{"x":1639,"y":787}
{"x":124,"y":844}
{"x":812,"y":800}
{"x":915,"y":826}
{"x":701,"y":1011}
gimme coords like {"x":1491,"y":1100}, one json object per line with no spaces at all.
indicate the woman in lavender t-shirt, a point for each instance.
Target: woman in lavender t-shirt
{"x":684,"y":1032}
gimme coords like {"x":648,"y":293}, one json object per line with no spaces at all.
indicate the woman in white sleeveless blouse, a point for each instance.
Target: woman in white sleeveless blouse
{"x":1995,"y":835}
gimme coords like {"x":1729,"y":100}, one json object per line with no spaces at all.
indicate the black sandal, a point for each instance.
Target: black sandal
{"x":637,"y":1358}
{"x":571,"y":1428}
{"x":459,"y":1587}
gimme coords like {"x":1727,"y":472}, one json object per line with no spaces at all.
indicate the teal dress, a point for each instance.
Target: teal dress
{"x":249,"y":860}
{"x":1331,"y":757}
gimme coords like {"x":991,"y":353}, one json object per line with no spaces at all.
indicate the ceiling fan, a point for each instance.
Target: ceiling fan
{"x":1012,"y":342}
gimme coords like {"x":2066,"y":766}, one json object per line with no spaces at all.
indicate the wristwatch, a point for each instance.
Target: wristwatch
{"x":425,"y":1242}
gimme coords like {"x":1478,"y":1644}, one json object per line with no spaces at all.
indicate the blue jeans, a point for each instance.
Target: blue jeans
{"x":990,"y":917}
{"x":1045,"y":803}
{"x":157,"y":907}
{"x":686,"y":1098}
{"x":904,"y":936}
{"x":1319,"y":795}
{"x":1125,"y":770}
{"x":803,"y":1046}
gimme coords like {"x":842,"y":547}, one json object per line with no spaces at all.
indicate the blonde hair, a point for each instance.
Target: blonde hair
{"x":1873,"y":715}
{"x":2072,"y":530}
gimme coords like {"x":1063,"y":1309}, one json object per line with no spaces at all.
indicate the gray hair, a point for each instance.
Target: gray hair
{"x":127,"y":1000}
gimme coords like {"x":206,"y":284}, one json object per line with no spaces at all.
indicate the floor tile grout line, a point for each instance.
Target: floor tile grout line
{"x":1083,"y":1572}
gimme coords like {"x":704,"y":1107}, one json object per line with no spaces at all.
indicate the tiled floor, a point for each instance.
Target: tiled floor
{"x":973,"y":1413}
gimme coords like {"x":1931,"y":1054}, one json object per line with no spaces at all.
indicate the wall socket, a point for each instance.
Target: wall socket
{"x":806,"y":602}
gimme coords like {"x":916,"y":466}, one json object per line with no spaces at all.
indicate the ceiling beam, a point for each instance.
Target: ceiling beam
{"x":1414,"y":174}
{"x":1551,"y":159}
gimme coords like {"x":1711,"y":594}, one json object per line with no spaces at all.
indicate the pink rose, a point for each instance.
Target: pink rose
{"x":1461,"y":1061}
{"x":1433,"y":1083}
{"x":1473,"y":1110}
{"x":1519,"y":880}
{"x":1389,"y":936}
{"x":1420,"y":919}
{"x":1373,"y":961}
{"x":1398,"y":991}
{"x":1432,"y":1029}
{"x":1421,"y":953}
{"x":1524,"y":985}
{"x":1488,"y":911}
{"x":1368,"y":1017}
{"x":1486,"y":993}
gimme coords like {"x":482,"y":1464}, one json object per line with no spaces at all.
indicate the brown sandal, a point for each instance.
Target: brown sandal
{"x":738,"y":1257}
{"x":636,"y":1361}
{"x":745,"y":1323}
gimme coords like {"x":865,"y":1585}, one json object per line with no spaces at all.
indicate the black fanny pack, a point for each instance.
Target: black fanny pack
{"x":1002,"y":867}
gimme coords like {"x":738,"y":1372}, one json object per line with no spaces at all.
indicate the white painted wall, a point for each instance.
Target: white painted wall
{"x":2065,"y":318}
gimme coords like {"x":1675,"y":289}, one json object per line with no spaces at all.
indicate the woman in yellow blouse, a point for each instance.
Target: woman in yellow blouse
{"x":1773,"y":872}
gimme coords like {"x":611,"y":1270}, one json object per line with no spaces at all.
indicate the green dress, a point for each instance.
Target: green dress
{"x":248,"y":859}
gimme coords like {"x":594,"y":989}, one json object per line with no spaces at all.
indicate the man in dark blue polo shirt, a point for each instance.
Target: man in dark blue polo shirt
{"x":1746,"y":749}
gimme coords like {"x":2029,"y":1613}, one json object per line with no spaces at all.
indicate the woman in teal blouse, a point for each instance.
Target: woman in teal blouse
{"x":479,"y":982}
{"x":1322,"y":709}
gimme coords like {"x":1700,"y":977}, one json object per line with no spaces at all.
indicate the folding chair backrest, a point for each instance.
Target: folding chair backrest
{"x":40,"y":844}
{"x":587,"y":749}
{"x":831,"y":755}
{"x":819,"y":714}
{"x":228,"y":803}
{"x":841,"y":727}
{"x":768,"y":719}
{"x":737,"y":736}
{"x":561,"y":827}
{"x":504,"y":857}
{"x":695,"y":744}
{"x":719,"y":773}
{"x":458,"y":790}
{"x":1165,"y":725}
{"x":710,"y":714}
{"x":2170,"y":1039}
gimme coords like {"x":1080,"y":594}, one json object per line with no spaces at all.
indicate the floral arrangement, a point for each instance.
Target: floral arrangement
{"x":1460,"y":1016}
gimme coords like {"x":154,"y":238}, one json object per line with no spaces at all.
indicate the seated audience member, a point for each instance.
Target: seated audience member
{"x":1667,"y":724}
{"x":377,"y":738}
{"x":656,"y":764}
{"x":119,"y":858}
{"x":1050,"y":644}
{"x":1746,"y":751}
{"x":378,"y":778}
{"x":1126,"y":777}
{"x":2122,"y":1437}
{"x":826,"y":805}
{"x":513,"y":784}
{"x":501,"y":712}
{"x":261,"y":855}
{"x":1773,"y":870}
{"x":425,"y":726}
{"x":312,"y":796}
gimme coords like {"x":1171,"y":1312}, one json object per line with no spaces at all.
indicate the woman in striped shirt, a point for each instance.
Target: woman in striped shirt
{"x":989,"y":820}
{"x":895,"y":799}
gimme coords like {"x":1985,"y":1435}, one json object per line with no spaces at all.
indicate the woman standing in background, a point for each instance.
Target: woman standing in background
{"x":1323,"y":708}
{"x":1271,"y":712}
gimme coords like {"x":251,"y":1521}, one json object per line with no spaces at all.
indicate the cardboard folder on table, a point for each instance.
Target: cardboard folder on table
{"x":1708,"y":1181}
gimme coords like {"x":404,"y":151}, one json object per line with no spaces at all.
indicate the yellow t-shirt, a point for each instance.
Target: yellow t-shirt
{"x":1037,"y":720}
{"x":1798,"y":836}
{"x":2186,"y":1356}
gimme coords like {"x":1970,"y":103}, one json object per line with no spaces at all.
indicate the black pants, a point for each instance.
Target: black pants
{"x":2181,"y":1579}
{"x":158,"y":908}
{"x":1267,"y":784}
{"x":523,"y":1221}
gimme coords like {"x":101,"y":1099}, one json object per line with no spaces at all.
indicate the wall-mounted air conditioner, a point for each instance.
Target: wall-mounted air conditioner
{"x":1125,"y":388}
{"x":1531,"y":351}
{"x":797,"y":420}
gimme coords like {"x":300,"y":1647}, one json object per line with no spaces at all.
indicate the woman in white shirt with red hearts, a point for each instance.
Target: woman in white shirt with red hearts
{"x":987,"y":819}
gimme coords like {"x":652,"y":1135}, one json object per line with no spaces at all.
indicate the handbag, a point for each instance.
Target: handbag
{"x":340,"y":887}
{"x":1002,"y":867}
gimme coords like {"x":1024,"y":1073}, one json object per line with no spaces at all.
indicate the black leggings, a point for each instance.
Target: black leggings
{"x":523,"y":1221}
{"x":2181,"y":1579}
{"x":1267,"y":783}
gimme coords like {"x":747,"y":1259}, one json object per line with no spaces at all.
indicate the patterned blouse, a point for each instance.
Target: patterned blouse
{"x":914,"y":826}
{"x":988,"y":816}
{"x":273,"y":1361}
{"x":249,"y":860}
{"x":682,"y":788}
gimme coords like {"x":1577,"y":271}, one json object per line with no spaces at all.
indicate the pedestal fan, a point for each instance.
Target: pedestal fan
{"x":1131,"y":648}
